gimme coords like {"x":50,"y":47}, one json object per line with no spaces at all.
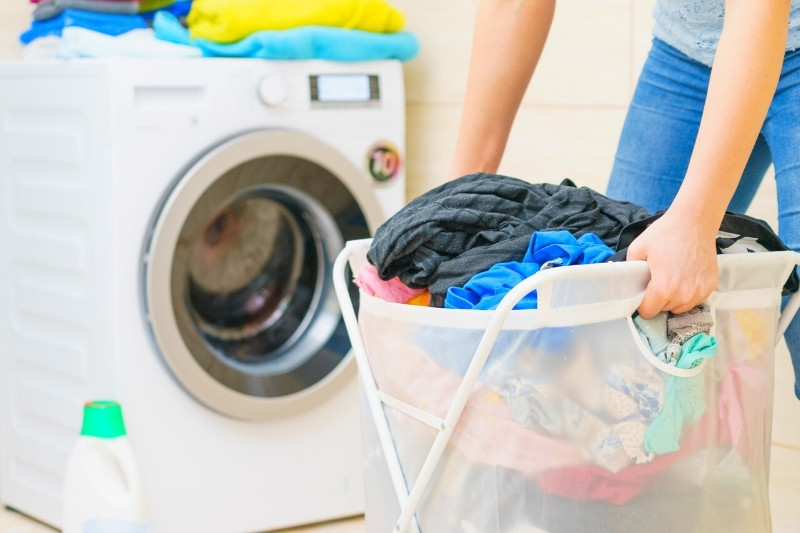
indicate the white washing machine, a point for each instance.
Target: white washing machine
{"x":168,"y":229}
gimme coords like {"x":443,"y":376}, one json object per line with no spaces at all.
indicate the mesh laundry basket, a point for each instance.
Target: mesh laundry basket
{"x":560,"y":419}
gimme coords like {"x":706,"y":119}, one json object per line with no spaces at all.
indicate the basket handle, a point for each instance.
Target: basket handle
{"x":544,"y":282}
{"x":585,"y":312}
{"x":592,"y":313}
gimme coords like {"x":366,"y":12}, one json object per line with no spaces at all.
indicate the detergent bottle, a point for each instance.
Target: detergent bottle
{"x":102,"y":487}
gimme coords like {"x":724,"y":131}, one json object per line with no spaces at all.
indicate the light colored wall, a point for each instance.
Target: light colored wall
{"x":567,"y":127}
{"x":15,"y":15}
{"x":574,"y":107}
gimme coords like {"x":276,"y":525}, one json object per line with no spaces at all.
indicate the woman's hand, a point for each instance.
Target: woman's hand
{"x":682,"y":256}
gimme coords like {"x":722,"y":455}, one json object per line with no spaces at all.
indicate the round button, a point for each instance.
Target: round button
{"x":383,"y":161}
{"x":272,"y":90}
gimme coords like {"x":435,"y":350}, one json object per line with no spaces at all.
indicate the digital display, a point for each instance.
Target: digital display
{"x":344,"y":88}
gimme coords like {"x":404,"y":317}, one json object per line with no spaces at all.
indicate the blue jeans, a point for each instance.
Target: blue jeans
{"x":659,"y":134}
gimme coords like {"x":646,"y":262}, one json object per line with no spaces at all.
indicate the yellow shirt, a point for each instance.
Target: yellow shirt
{"x":226,"y":21}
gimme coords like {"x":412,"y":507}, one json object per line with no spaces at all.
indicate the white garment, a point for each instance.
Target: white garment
{"x":81,"y":42}
{"x":41,"y":47}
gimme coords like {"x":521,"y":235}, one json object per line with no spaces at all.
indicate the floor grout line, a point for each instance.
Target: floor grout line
{"x":785,"y":446}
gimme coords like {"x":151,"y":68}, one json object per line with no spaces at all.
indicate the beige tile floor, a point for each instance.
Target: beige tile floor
{"x":784,"y":478}
{"x":13,"y":522}
{"x":786,"y":514}
{"x":784,"y":490}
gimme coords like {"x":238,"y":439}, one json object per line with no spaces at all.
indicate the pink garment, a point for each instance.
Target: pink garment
{"x":742,"y":386}
{"x":394,"y":290}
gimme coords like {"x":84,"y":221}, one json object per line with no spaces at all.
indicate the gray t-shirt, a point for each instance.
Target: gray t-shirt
{"x":694,"y":26}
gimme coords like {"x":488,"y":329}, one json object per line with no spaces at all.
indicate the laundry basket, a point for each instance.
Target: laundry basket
{"x":543,"y":420}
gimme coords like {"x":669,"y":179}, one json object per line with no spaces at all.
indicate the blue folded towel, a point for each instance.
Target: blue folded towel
{"x":108,"y":23}
{"x":179,"y":8}
{"x":303,"y":42}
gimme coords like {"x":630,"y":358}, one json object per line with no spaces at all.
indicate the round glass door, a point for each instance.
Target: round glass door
{"x":238,"y":280}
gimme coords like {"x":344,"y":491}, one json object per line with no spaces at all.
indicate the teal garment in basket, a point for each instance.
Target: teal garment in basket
{"x":684,"y":398}
{"x":303,"y":42}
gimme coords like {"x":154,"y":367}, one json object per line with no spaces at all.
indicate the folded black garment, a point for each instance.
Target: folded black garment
{"x":737,"y":233}
{"x":447,"y":235}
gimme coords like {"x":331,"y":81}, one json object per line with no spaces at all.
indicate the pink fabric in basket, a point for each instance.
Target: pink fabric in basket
{"x":393,"y":290}
{"x":742,"y":384}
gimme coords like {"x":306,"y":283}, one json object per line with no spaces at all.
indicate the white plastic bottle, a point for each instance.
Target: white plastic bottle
{"x":102,"y":486}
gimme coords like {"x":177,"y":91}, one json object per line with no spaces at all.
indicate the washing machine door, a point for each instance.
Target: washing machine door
{"x":237,"y":273}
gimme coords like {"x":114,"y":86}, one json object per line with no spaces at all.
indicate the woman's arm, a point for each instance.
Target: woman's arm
{"x":680,"y":246}
{"x":509,"y":37}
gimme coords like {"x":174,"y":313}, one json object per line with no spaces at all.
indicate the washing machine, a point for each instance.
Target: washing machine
{"x":168,"y":229}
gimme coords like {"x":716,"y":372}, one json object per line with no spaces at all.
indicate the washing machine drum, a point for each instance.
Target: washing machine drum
{"x":238,"y":281}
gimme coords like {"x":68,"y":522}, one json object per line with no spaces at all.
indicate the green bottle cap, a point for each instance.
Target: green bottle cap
{"x":102,"y":419}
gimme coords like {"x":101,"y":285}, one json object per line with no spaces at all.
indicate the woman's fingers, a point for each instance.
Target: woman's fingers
{"x":682,"y":262}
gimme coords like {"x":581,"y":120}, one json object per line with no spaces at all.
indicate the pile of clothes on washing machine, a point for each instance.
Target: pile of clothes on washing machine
{"x":336,"y":30}
{"x":69,"y":29}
